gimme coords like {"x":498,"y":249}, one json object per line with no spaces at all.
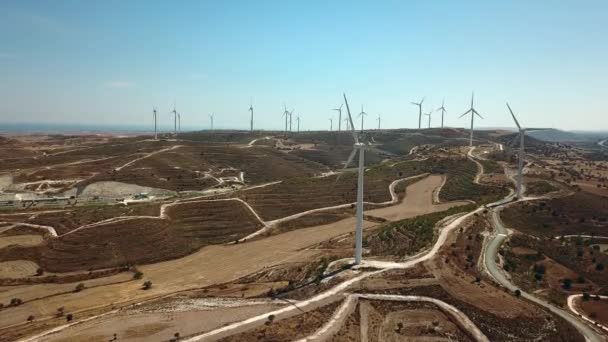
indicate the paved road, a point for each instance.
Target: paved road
{"x":500,"y":234}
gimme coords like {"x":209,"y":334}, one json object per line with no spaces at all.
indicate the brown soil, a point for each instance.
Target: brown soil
{"x":594,"y":309}
{"x":190,"y":226}
{"x":581,"y":213}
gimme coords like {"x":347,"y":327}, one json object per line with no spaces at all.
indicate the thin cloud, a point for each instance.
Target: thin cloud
{"x":119,"y":84}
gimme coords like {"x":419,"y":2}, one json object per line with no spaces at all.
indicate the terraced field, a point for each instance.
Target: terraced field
{"x":189,"y":227}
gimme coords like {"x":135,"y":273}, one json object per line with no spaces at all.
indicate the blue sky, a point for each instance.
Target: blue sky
{"x":109,"y":62}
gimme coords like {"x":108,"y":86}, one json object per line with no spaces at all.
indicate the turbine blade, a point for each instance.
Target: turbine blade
{"x":474,"y":111}
{"x":350,"y":158}
{"x":513,"y":115}
{"x":350,"y":119}
{"x":467,"y":112}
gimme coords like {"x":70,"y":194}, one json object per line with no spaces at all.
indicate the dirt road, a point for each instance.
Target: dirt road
{"x":213,"y":264}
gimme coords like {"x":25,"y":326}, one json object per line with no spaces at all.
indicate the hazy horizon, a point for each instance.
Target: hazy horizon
{"x":114,"y":60}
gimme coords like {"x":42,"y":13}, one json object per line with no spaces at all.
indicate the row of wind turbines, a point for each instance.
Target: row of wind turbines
{"x":360,"y":147}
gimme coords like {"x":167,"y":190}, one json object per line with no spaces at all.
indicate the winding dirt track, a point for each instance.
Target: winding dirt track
{"x":216,"y":264}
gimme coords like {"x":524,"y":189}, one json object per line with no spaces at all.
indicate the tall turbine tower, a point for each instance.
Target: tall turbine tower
{"x":419,"y":104}
{"x":155,"y":118}
{"x":521,"y":156}
{"x":179,"y":122}
{"x":339,"y":110}
{"x":286,"y":115}
{"x":473,"y":113}
{"x":429,"y":115}
{"x":331,"y":124}
{"x":298,"y":120}
{"x":442,"y":109}
{"x":362,"y":115}
{"x":378,"y":121}
{"x":347,"y":124}
{"x":211,"y":116}
{"x":358,"y":146}
{"x":174,"y":112}
{"x":251,"y":121}
{"x":290,"y":117}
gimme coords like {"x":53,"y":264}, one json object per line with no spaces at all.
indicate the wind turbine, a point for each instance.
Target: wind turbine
{"x":298,"y":120}
{"x":331,"y":124}
{"x":285,"y":114}
{"x":378,"y":121}
{"x":339,"y":116}
{"x":358,"y":146}
{"x":174,"y":112}
{"x":473,"y":113}
{"x":429,"y":115}
{"x":290,"y":117}
{"x":179,"y":122}
{"x":520,"y":158}
{"x":251,"y":122}
{"x":155,"y":118}
{"x":442,"y":109}
{"x":419,"y":104}
{"x":362,"y":115}
{"x":347,"y":124}
{"x":211,"y":116}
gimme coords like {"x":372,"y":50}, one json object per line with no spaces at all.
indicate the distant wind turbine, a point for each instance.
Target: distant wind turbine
{"x":251,"y":111}
{"x":174,"y":112}
{"x":429,"y":115}
{"x":211,"y":116}
{"x":521,"y":156}
{"x":362,"y":115}
{"x":179,"y":122}
{"x":473,"y":113}
{"x":347,"y":124}
{"x":378,"y":121}
{"x":360,"y":147}
{"x":155,"y":120}
{"x":339,"y":110}
{"x":290,"y":117}
{"x":286,"y":115}
{"x":298,"y":120}
{"x":331,"y":124}
{"x":419,"y":104}
{"x":442,"y":109}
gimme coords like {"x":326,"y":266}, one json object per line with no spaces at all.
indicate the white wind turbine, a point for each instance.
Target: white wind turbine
{"x":362,"y":115}
{"x":442,"y":109}
{"x":286,"y":115}
{"x":419,"y":104}
{"x":378,"y":121}
{"x":211,"y":116}
{"x":347,"y":124}
{"x":331,"y":124}
{"x":251,"y":111}
{"x":298,"y":120}
{"x":155,"y":125}
{"x":358,"y":146}
{"x":473,"y":113}
{"x":339,"y":110}
{"x":174,"y":112}
{"x":290,"y":121}
{"x":520,"y":158}
{"x":429,"y":115}
{"x":179,"y":122}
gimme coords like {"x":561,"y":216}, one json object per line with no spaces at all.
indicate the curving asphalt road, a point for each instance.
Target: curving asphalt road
{"x":499,"y":235}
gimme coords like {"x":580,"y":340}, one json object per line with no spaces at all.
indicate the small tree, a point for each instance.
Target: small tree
{"x":79,"y":287}
{"x":147,"y":285}
{"x":586,"y":296}
{"x":137,"y":275}
{"x":16,"y":302}
{"x":399,"y":327}
{"x":69,"y":317}
{"x":567,"y":284}
{"x":599,"y":267}
{"x":30,"y":318}
{"x":517,"y":293}
{"x":39,"y":271}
